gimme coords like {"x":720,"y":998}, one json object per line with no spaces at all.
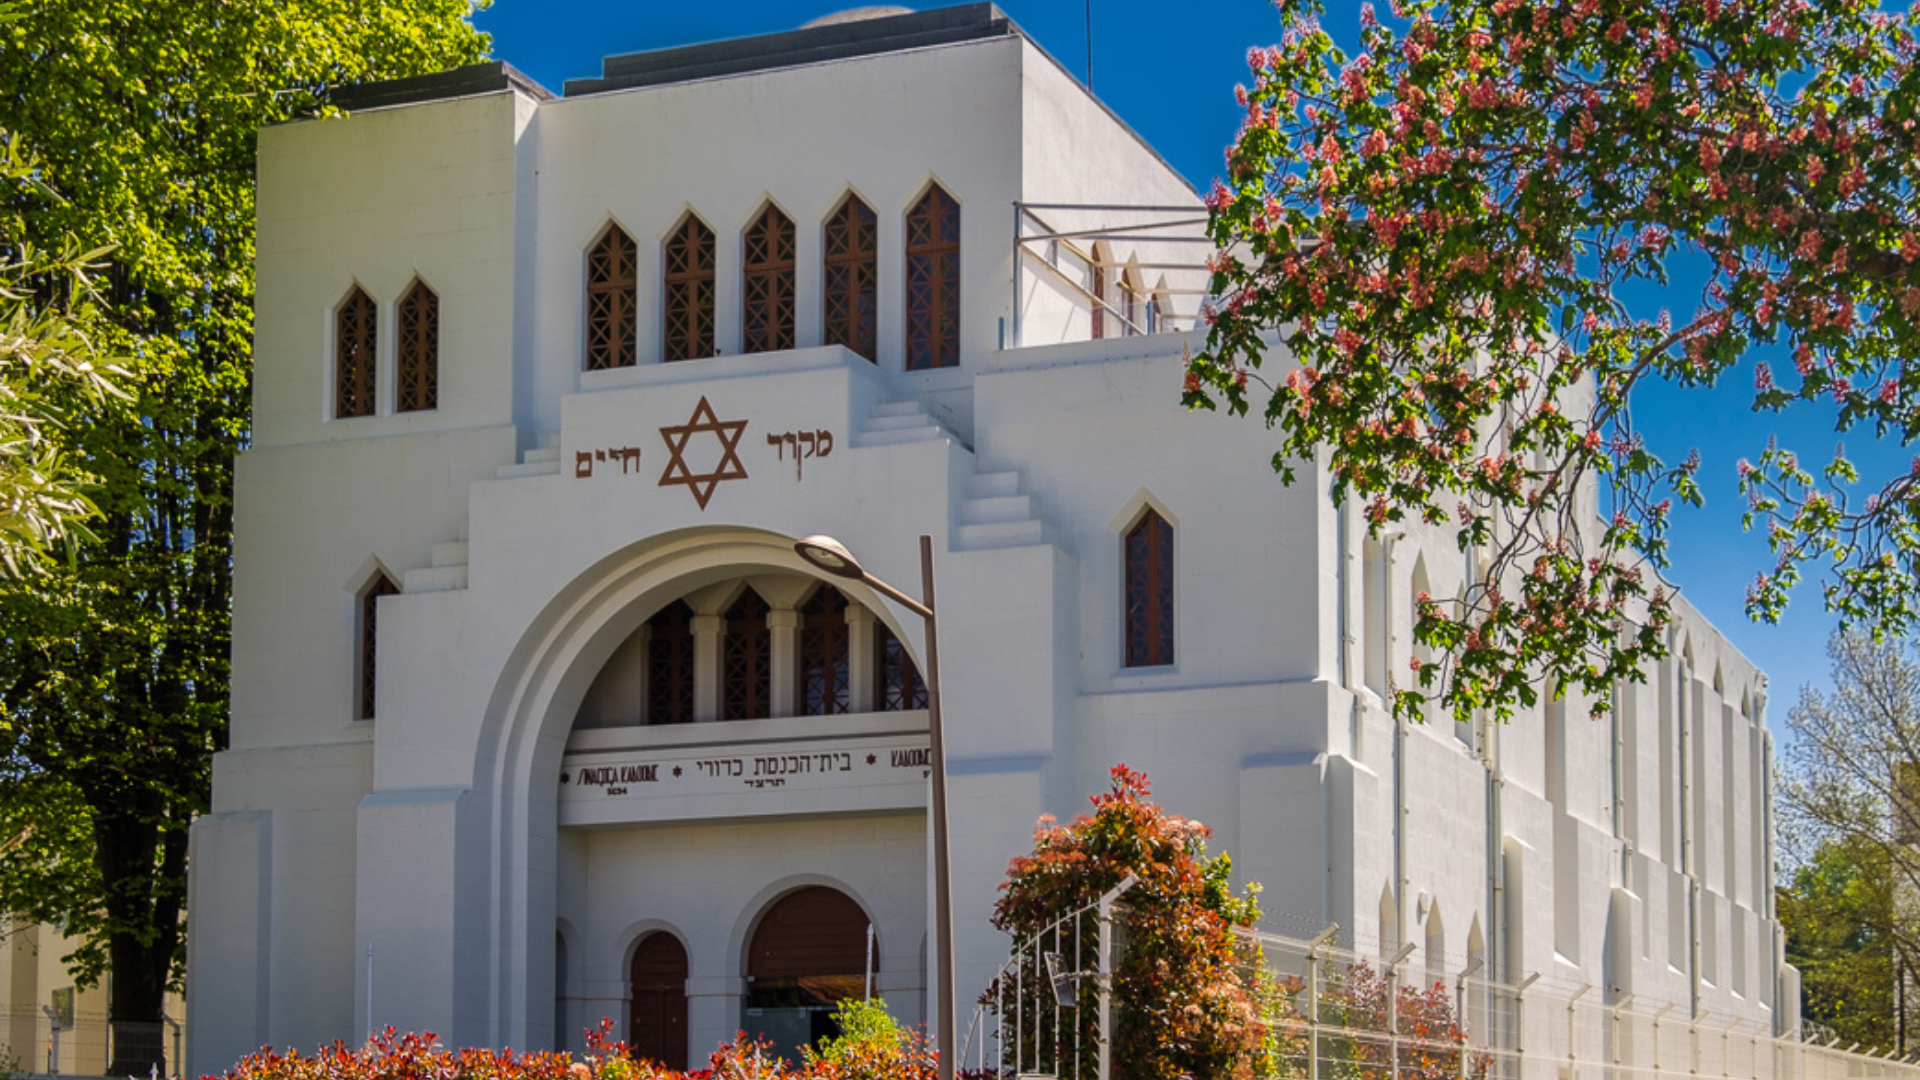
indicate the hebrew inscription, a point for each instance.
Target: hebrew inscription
{"x":805,"y":444}
{"x":627,"y":456}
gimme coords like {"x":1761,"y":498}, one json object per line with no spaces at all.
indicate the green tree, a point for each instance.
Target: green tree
{"x":1181,"y":1005}
{"x":1444,"y":231}
{"x":1850,"y":807}
{"x":143,"y":117}
{"x":1835,"y":910}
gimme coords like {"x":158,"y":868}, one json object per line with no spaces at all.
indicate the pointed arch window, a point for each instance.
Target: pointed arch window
{"x":898,"y":685}
{"x":670,"y":665}
{"x":419,"y":359}
{"x":1129,"y":304}
{"x":746,"y":660}
{"x":612,"y":284}
{"x":1099,"y":297}
{"x":825,"y":688}
{"x":380,"y":586}
{"x":355,"y":331}
{"x":1149,"y":591}
{"x":766,"y":279}
{"x":853,"y":277}
{"x":933,"y":282}
{"x":689,"y":278}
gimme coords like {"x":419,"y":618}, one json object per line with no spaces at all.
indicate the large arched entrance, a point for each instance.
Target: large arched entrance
{"x":657,"y":1018}
{"x":810,"y":951}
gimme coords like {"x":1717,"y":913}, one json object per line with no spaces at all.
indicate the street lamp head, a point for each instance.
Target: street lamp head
{"x":830,"y":555}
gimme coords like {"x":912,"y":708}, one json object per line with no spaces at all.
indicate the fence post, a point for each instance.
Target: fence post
{"x":1106,"y":973}
{"x":1393,"y":1006}
{"x":1573,"y":1057}
{"x":1617,"y":1010}
{"x":1656,"y":1035}
{"x":1460,"y":1009}
{"x":1313,"y":999}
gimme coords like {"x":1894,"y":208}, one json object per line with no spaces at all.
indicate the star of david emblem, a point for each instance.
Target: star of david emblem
{"x":728,"y":433}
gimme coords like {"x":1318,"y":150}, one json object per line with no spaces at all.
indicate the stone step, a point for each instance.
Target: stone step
{"x":995,"y":509}
{"x":900,"y":435}
{"x":540,"y":453}
{"x":434,"y":579}
{"x":899,"y":408}
{"x":898,"y":423}
{"x":531,"y":468}
{"x":452,"y":553}
{"x":1000,"y":534}
{"x":994,"y":484}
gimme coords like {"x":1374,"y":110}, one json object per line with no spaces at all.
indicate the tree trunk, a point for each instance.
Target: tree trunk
{"x":127,"y":844}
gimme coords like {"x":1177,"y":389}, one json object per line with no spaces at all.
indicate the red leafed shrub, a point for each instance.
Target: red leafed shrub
{"x":1182,"y":1007}
{"x":1427,"y":1038}
{"x":393,"y":1056}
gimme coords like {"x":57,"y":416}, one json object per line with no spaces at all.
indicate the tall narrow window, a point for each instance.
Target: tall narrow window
{"x":380,"y":586}
{"x":933,"y":282}
{"x":766,"y":280}
{"x":824,"y":643}
{"x":899,"y":686}
{"x":670,"y":665}
{"x":1129,"y":304}
{"x":852,"y":277}
{"x":746,"y":661}
{"x":612,"y":282}
{"x":689,"y":291}
{"x":355,"y":329}
{"x":419,"y":366}
{"x":1149,"y":587}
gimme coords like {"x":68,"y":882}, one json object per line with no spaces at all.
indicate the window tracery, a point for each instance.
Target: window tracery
{"x":933,"y":282}
{"x":825,"y":674}
{"x":746,"y":660}
{"x":355,"y":333}
{"x":670,"y":670}
{"x":767,"y":283}
{"x":419,"y":350}
{"x":852,"y":277}
{"x":690,"y":298}
{"x":612,"y":286}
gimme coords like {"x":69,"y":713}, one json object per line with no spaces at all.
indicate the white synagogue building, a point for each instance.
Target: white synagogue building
{"x":539,"y":718}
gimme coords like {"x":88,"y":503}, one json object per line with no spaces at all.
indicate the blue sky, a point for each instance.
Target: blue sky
{"x":1170,"y":70}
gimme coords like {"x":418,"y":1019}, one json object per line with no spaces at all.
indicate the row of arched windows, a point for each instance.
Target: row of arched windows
{"x":821,"y":673}
{"x":850,"y":278}
{"x":356,"y":348}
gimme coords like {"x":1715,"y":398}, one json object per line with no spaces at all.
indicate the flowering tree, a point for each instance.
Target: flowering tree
{"x":1181,"y":1007}
{"x":1442,"y":229}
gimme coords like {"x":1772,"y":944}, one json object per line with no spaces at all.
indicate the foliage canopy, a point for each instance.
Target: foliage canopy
{"x":142,"y":117}
{"x":1445,"y":231}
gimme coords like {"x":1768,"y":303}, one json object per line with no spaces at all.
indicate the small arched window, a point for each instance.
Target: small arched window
{"x":852,"y":277}
{"x":898,"y":686}
{"x":612,"y":284}
{"x":689,"y":279}
{"x":355,"y":331}
{"x":825,"y":688}
{"x":766,"y":279}
{"x":933,"y":282}
{"x":380,"y":586}
{"x":1149,"y":591}
{"x":670,"y":665}
{"x":419,"y":351}
{"x":746,"y":660}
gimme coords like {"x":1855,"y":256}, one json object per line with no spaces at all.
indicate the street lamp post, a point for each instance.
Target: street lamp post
{"x":831,"y":556}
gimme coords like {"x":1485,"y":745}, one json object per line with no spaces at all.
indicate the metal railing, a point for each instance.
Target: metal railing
{"x":1084,"y":271}
{"x":42,"y":1042}
{"x":1327,"y":1013}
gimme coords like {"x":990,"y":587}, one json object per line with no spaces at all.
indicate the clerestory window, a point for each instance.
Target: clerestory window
{"x":766,"y":279}
{"x":356,"y":325}
{"x":852,"y":277}
{"x":689,"y":282}
{"x":612,"y":285}
{"x":419,"y":350}
{"x":1149,"y":591}
{"x":933,"y":282}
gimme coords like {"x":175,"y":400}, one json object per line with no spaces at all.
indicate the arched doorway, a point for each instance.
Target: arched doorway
{"x":657,"y":1019}
{"x":808,"y":954}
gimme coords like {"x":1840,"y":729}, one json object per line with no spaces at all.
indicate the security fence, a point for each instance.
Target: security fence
{"x":40,"y":1041}
{"x":1327,"y":1013}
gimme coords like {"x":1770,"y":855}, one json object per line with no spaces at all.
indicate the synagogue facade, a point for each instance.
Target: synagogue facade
{"x":539,"y":718}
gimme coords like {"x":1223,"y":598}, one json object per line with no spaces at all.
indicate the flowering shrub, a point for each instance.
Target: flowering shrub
{"x":1454,"y":232}
{"x":1181,"y":1007}
{"x":1429,"y":1042}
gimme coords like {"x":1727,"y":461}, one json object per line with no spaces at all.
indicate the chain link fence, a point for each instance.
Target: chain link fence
{"x":42,"y":1042}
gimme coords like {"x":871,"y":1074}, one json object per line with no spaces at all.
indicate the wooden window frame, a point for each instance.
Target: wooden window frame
{"x":688,"y":327}
{"x":612,"y":294}
{"x":1147,"y":596}
{"x":767,"y":282}
{"x":671,"y":665}
{"x":823,"y":683}
{"x":417,"y":349}
{"x":850,"y":294}
{"x":368,"y":635}
{"x":933,"y":281}
{"x":746,"y":659}
{"x":356,"y":352}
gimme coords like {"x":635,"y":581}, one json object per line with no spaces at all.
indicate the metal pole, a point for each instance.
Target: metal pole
{"x":1105,"y":979}
{"x":369,"y":991}
{"x":942,"y":883}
